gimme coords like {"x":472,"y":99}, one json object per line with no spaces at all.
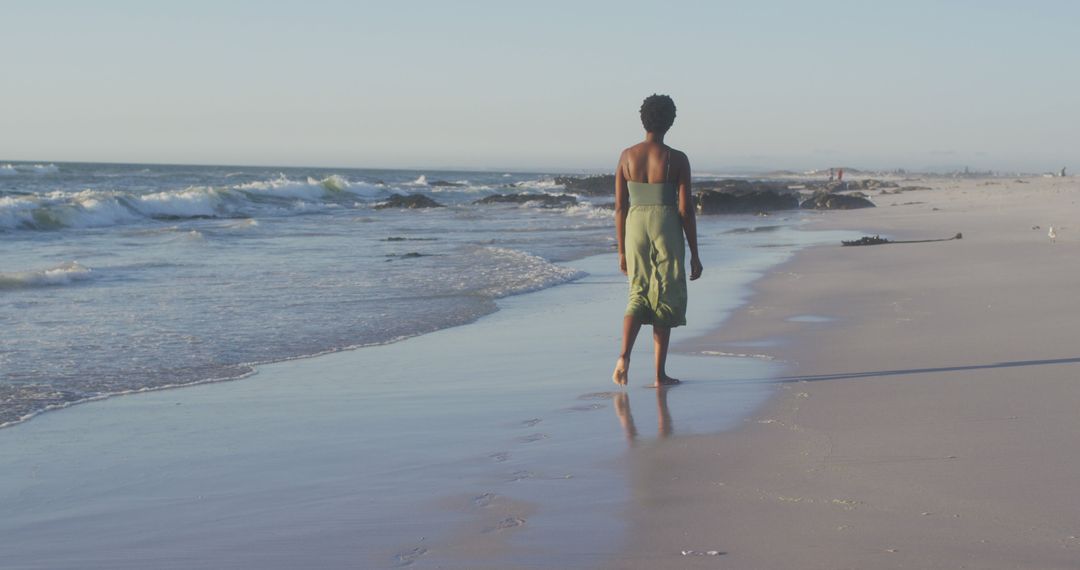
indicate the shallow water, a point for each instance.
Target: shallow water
{"x":494,"y":444}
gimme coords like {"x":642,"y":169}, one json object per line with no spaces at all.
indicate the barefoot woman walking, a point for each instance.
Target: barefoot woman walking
{"x":653,"y":210}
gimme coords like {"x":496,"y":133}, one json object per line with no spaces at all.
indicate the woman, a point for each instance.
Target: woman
{"x":653,"y":211}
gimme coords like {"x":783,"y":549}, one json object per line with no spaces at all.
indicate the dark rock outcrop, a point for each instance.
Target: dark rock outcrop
{"x":445,"y":183}
{"x":408,"y":201}
{"x":599,"y":185}
{"x":827,"y":201}
{"x":740,"y":185}
{"x":753,"y":201}
{"x":872,"y":184}
{"x":741,"y":196}
{"x":545,"y":200}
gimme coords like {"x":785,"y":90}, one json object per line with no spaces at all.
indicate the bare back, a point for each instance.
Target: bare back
{"x":651,"y":162}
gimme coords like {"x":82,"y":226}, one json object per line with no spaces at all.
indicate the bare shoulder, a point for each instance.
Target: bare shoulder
{"x":624,"y":158}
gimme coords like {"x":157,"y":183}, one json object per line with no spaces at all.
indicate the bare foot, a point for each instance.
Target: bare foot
{"x":620,"y":375}
{"x":666,"y":380}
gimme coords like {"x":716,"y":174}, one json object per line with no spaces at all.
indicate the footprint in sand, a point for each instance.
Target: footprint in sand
{"x":531,"y":422}
{"x":408,"y":557}
{"x":532,"y":437}
{"x":506,"y":524}
{"x":484,"y":500}
{"x":585,"y":408}
{"x":520,"y":476}
{"x":598,"y":396}
{"x":525,"y":474}
{"x":499,"y":456}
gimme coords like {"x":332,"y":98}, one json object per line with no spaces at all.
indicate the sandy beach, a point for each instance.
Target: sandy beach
{"x":900,"y":405}
{"x":353,"y":285}
{"x":927,"y":413}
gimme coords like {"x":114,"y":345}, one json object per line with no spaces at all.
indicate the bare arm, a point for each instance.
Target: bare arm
{"x":622,"y":207}
{"x":688,"y":216}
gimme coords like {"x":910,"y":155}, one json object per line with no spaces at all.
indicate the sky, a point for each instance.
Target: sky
{"x":545,"y":85}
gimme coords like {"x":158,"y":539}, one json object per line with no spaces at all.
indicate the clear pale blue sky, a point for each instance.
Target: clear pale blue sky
{"x":547,"y":84}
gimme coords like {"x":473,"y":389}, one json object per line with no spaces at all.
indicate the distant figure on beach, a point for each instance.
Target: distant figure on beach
{"x":653,"y":211}
{"x":832,"y":174}
{"x":840,"y":175}
{"x":1063,"y":172}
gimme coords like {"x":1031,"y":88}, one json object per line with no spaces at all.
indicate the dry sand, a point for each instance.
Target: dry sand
{"x":931,"y":422}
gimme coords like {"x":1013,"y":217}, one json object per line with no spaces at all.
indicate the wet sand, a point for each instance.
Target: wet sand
{"x":499,"y":444}
{"x":927,"y":414}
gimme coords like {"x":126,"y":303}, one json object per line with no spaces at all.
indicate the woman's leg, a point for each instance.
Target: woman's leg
{"x":630,"y":327}
{"x":662,"y":412}
{"x":661,"y":338}
{"x":622,"y":410}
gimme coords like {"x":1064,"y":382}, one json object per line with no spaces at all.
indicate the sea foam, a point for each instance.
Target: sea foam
{"x":44,"y":168}
{"x":103,"y":208}
{"x":504,"y":272}
{"x":62,"y":274}
{"x":13,"y":169}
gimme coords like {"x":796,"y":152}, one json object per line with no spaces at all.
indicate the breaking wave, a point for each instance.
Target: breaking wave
{"x":13,"y":169}
{"x":501,"y":272}
{"x":102,"y":208}
{"x":62,"y":274}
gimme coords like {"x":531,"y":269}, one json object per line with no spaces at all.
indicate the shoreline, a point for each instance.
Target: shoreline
{"x":912,"y":409}
{"x":501,"y":453}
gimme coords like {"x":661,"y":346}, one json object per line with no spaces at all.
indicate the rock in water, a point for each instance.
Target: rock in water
{"x":408,"y":201}
{"x":599,"y":185}
{"x":826,"y":201}
{"x":545,"y":200}
{"x":742,"y":202}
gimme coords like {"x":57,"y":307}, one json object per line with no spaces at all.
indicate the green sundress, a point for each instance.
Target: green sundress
{"x":655,"y":254}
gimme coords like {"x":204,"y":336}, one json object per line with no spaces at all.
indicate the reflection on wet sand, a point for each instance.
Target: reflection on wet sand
{"x":626,"y":418}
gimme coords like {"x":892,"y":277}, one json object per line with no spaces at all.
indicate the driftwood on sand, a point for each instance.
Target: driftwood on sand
{"x":878,"y":240}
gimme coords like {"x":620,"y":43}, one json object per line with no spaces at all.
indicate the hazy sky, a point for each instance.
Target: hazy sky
{"x":552,"y":85}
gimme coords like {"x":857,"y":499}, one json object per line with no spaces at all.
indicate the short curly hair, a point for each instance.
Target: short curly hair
{"x":657,"y":113}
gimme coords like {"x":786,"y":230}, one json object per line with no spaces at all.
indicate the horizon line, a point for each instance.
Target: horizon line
{"x":740,"y":170}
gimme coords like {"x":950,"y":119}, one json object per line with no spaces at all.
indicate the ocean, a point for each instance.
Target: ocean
{"x":117,"y":278}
